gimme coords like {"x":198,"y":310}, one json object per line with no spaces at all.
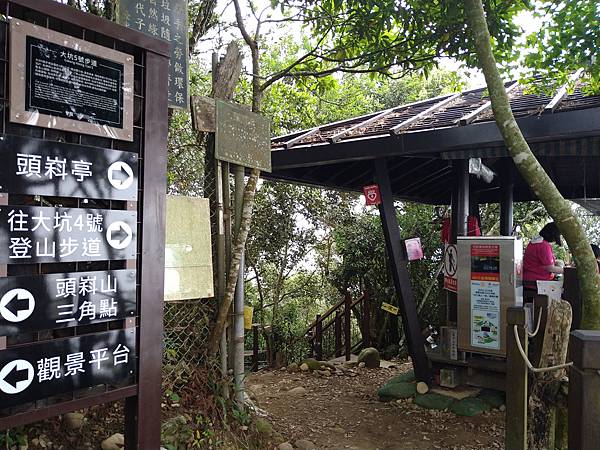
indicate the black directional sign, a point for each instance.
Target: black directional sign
{"x":31,"y":234}
{"x":41,"y":370}
{"x":46,"y":302}
{"x":37,"y":167}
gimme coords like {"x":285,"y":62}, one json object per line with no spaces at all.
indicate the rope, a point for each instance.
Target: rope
{"x":537,"y":328}
{"x":526,"y":359}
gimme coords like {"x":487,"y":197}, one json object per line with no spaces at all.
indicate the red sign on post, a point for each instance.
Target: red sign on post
{"x":372,"y":195}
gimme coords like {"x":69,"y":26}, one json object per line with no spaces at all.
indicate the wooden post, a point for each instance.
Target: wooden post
{"x":347,"y":318}
{"x":584,"y":390}
{"x":516,"y":387}
{"x":366,"y":310}
{"x":319,"y":338}
{"x":338,"y":334}
{"x":255,"y":349}
{"x":399,"y":264}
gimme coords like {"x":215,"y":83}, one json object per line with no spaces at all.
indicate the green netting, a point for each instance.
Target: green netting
{"x":493,"y":398}
{"x":434,"y":401}
{"x":392,"y":391}
{"x":469,"y":407}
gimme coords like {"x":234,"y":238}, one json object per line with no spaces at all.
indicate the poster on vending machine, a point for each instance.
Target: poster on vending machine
{"x":485,"y":296}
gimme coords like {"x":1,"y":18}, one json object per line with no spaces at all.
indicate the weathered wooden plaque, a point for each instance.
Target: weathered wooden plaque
{"x":242,"y":137}
{"x":61,"y":82}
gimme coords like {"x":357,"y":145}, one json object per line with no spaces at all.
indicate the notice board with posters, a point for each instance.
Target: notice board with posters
{"x":489,"y":281}
{"x":83,"y":176}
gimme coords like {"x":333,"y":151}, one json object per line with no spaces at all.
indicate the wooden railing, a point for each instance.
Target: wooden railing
{"x":343,"y":329}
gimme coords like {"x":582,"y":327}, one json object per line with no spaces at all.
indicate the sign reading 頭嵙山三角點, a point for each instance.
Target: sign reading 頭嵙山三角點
{"x":65,"y":83}
{"x":167,"y":20}
{"x":45,"y":302}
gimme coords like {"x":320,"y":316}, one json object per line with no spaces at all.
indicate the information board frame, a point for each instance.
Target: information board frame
{"x":142,"y":422}
{"x":21,"y":30}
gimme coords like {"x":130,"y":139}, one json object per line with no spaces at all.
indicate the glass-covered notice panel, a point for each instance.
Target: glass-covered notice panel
{"x":61,"y":82}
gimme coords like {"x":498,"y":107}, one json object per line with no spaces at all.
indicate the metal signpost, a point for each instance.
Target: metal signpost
{"x":82,"y":201}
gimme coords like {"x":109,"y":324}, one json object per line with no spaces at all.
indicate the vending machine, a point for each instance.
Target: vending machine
{"x":489,"y":281}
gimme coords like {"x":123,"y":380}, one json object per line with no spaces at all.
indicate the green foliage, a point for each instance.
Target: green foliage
{"x":14,"y":437}
{"x":187,"y":431}
{"x":387,"y":36}
{"x":568,"y":39}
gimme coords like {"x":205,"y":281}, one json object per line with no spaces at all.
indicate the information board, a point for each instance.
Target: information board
{"x":46,"y":302}
{"x":33,"y":234}
{"x":58,"y":81}
{"x":42,"y":370}
{"x":39,"y":167}
{"x":485,"y":296}
{"x":242,"y":137}
{"x":168,"y":20}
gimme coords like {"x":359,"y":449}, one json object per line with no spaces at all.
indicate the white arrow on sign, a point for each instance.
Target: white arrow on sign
{"x":17,"y":305}
{"x":119,"y":235}
{"x":16,"y":376}
{"x":120,"y":175}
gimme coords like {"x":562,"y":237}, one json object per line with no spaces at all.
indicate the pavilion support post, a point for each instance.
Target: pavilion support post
{"x":460,"y":199}
{"x":398,"y":263}
{"x":460,"y":211}
{"x":347,"y":325}
{"x":507,"y":185}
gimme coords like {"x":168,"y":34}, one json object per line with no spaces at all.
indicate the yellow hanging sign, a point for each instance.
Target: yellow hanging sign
{"x":390,"y":308}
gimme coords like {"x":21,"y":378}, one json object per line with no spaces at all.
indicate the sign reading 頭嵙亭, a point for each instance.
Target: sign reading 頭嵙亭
{"x":33,"y":234}
{"x":61,"y":82}
{"x":242,"y":137}
{"x":38,"y":167}
{"x":45,"y":302}
{"x":168,"y":20}
{"x":41,"y":370}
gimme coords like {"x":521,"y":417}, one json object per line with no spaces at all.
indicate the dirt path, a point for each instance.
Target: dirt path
{"x":343,"y":412}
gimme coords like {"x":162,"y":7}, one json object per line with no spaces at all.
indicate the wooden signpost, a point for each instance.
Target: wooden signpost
{"x":82,"y":199}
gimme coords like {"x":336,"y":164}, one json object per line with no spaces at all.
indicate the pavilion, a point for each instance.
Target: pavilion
{"x":420,"y":152}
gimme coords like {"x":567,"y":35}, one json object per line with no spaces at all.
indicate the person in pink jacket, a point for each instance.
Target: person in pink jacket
{"x":539,"y":262}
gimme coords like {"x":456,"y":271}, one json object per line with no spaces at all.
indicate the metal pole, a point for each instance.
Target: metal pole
{"x":238,"y":308}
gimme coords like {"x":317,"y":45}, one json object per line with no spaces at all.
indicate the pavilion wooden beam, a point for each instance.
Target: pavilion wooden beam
{"x":338,"y":136}
{"x":468,"y":118}
{"x":289,"y":144}
{"x":547,"y":127}
{"x":561,"y":94}
{"x":397,"y":129}
{"x":399,"y":265}
{"x":426,"y":181}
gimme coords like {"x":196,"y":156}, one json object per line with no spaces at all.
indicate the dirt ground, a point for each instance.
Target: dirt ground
{"x":343,"y":412}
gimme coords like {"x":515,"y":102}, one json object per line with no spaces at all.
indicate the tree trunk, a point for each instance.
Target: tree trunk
{"x":236,"y":255}
{"x":545,"y":386}
{"x":532,"y":171}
